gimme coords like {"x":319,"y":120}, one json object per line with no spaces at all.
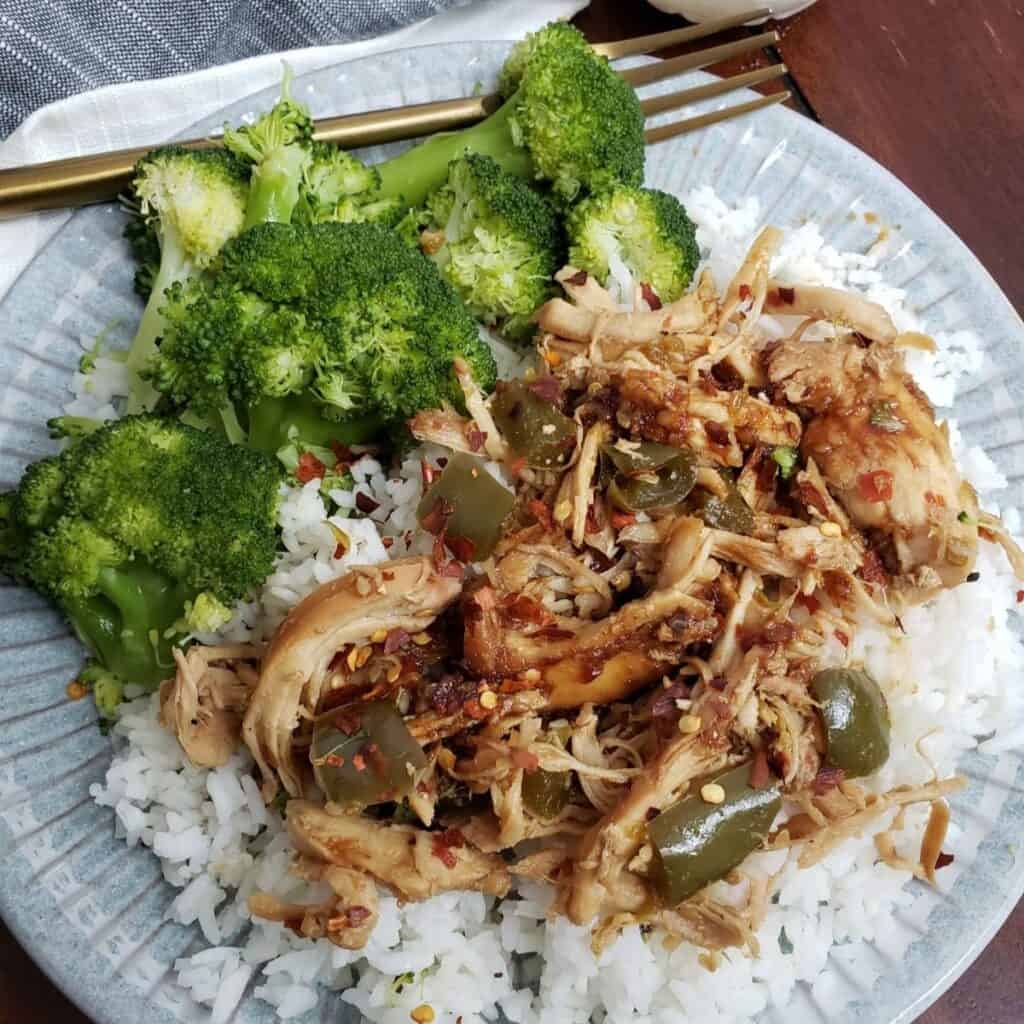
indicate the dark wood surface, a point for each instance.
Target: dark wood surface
{"x":934,"y":90}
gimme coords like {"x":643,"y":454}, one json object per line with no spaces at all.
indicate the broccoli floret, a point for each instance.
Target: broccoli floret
{"x":364,"y":326}
{"x":72,"y":427}
{"x":107,"y":689}
{"x":639,"y":235}
{"x":119,"y":605}
{"x":297,"y":179}
{"x":278,"y":148}
{"x":145,"y":245}
{"x":338,"y":187}
{"x":495,"y":240}
{"x":194,"y":201}
{"x":558,"y":37}
{"x":787,"y":459}
{"x":572,"y":121}
{"x":206,"y":614}
{"x":138,"y":530}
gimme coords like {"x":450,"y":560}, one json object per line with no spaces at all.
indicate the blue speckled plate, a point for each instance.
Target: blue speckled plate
{"x":90,"y":910}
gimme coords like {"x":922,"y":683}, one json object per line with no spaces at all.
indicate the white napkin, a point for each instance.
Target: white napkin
{"x":139,"y":113}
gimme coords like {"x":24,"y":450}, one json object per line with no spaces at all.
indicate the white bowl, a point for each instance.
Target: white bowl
{"x":706,"y":10}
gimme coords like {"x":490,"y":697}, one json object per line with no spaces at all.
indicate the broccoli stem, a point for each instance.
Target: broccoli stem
{"x":276,"y":422}
{"x":417,"y":172}
{"x":173,"y":267}
{"x":274,"y":186}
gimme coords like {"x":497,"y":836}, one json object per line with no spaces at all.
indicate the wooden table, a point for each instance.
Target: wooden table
{"x":935,"y":92}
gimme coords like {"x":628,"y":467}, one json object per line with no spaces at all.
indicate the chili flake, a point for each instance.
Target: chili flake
{"x":875,"y":486}
{"x":309,"y":468}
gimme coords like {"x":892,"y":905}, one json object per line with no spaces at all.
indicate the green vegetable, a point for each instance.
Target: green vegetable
{"x":344,"y":316}
{"x":533,"y":426}
{"x":696,"y":842}
{"x":856,"y":719}
{"x":730,"y":513}
{"x":546,"y":794}
{"x":192,"y":202}
{"x":468,"y":505}
{"x":498,"y":243}
{"x":571,"y":121}
{"x":650,"y":476}
{"x":362,"y":754}
{"x":297,"y":179}
{"x":107,"y":688}
{"x":787,"y":459}
{"x":645,"y":230}
{"x":141,"y":531}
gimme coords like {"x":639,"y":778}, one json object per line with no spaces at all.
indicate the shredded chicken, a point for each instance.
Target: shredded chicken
{"x":412,"y":863}
{"x":404,"y":595}
{"x":204,"y":703}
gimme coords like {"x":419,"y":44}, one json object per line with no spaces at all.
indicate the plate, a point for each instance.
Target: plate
{"x":91,"y":911}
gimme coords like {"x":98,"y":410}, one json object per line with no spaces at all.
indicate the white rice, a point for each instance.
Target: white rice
{"x":950,"y":679}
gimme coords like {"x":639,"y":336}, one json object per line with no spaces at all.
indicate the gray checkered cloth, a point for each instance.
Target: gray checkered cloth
{"x":54,"y":48}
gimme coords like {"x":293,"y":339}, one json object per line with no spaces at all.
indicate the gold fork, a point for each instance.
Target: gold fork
{"x":76,"y":181}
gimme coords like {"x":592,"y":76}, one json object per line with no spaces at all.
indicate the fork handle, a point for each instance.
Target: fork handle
{"x":77,"y":181}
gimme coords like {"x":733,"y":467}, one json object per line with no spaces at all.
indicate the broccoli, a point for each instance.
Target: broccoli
{"x":297,"y":179}
{"x":194,"y":201}
{"x":627,"y":235}
{"x":142,"y":531}
{"x":571,"y":121}
{"x":495,"y":240}
{"x":142,"y":238}
{"x":332,"y":324}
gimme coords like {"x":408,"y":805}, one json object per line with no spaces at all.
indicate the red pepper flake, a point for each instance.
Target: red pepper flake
{"x":935,"y":499}
{"x":808,"y":601}
{"x":621,"y":520}
{"x":443,"y":565}
{"x":395,"y":640}
{"x":516,"y":467}
{"x":810,"y":496}
{"x":428,"y":472}
{"x":579,"y":278}
{"x":525,"y":759}
{"x":871,"y":569}
{"x":745,"y":292}
{"x":436,"y":520}
{"x":474,"y":709}
{"x":875,"y":486}
{"x":343,"y":454}
{"x":760,"y":773}
{"x":944,"y":860}
{"x":365,"y":503}
{"x":546,"y":387}
{"x":359,"y":762}
{"x":475,"y":439}
{"x":842,"y":638}
{"x":716,"y":432}
{"x":1020,"y":597}
{"x":787,"y":295}
{"x":541,"y":513}
{"x":592,"y":525}
{"x":387,"y":542}
{"x":521,"y":608}
{"x":442,"y":851}
{"x":826,"y":779}
{"x":650,"y":296}
{"x":462,"y":548}
{"x":334,"y":761}
{"x":356,"y":916}
{"x":76,"y":690}
{"x":453,"y":838}
{"x":339,"y":551}
{"x":309,"y":468}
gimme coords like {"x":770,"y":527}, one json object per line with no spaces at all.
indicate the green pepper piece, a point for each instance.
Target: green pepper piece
{"x":362,"y":754}
{"x":468,"y":504}
{"x":534,"y":427}
{"x":650,"y":476}
{"x":856,"y":720}
{"x":730,"y":513}
{"x":546,"y":794}
{"x":696,"y":842}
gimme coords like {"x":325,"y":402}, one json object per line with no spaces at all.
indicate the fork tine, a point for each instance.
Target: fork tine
{"x":700,"y":59}
{"x":661,"y":40}
{"x":692,"y":124}
{"x":675,"y":100}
